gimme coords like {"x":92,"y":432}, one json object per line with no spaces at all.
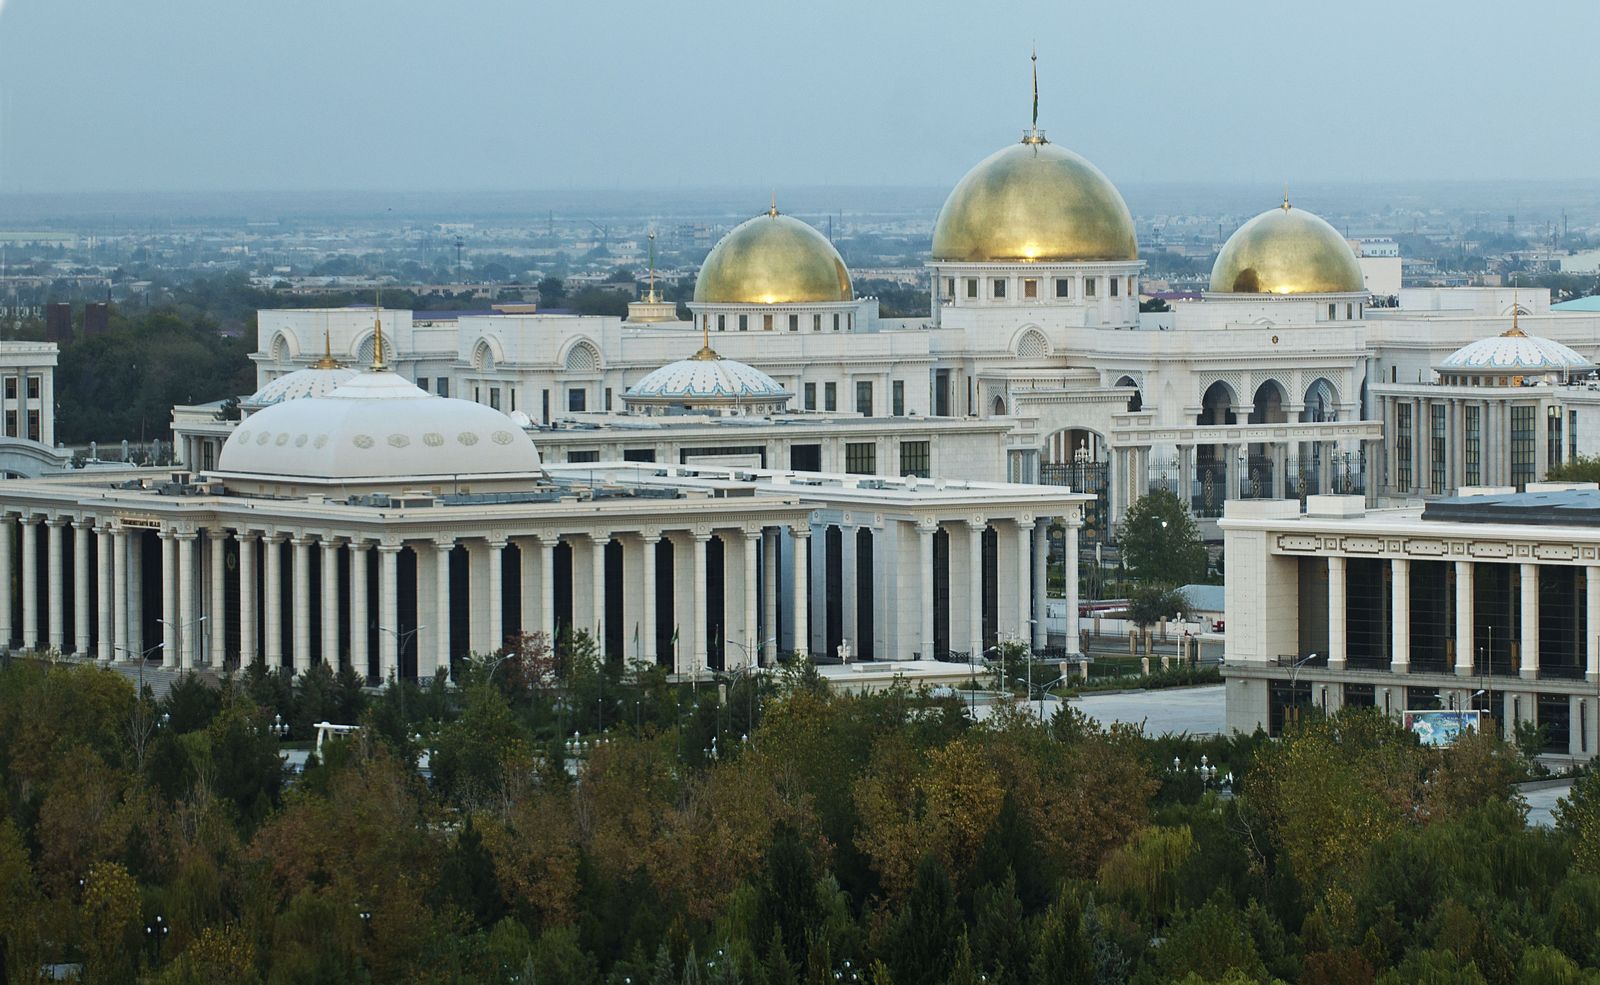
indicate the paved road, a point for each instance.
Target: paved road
{"x":1542,"y":802}
{"x":1195,"y":710}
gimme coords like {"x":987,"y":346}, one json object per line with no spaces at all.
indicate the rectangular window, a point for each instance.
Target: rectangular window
{"x":722,"y":323}
{"x":1572,"y":434}
{"x":766,"y":323}
{"x":443,"y":387}
{"x":513,"y":400}
{"x":1331,"y":312}
{"x":33,"y":388}
{"x":835,"y":323}
{"x":422,"y":384}
{"x":816,"y":323}
{"x":477,"y":394}
{"x":794,"y":323}
{"x":864,"y":397}
{"x":899,"y":390}
{"x":1088,"y":287}
{"x":1522,"y":438}
{"x":11,"y":424}
{"x":608,"y":398}
{"x":1030,"y":288}
{"x":999,"y":287}
{"x":861,"y":458}
{"x":1349,"y":311}
{"x":11,"y":388}
{"x":1115,"y":285}
{"x":811,"y":396}
{"x":494,"y":397}
{"x":33,"y":426}
{"x":544,"y":406}
{"x":1472,"y":445}
{"x":744,"y":323}
{"x":577,"y":399}
{"x":583,"y":456}
{"x":1063,"y":287}
{"x":1552,"y":436}
{"x":638,"y":454}
{"x":1130,"y":287}
{"x":915,"y":459}
{"x":972,"y":287}
{"x":949,"y":287}
{"x":1436,"y":449}
{"x":830,"y":396}
{"x":1402,"y":447}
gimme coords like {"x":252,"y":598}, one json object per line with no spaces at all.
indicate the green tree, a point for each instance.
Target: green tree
{"x":1580,"y":468}
{"x":1577,"y":815}
{"x":1150,"y":602}
{"x":1160,"y":541}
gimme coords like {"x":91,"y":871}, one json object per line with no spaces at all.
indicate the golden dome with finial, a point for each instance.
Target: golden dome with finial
{"x":1286,"y":251}
{"x":1034,"y":201}
{"x":773,"y":259}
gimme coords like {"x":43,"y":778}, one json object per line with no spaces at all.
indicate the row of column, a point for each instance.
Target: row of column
{"x":1465,"y":643}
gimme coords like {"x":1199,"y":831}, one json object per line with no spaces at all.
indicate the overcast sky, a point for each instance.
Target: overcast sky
{"x":192,"y":95}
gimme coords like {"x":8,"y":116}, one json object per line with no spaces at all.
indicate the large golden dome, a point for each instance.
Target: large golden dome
{"x":1286,"y":251}
{"x":1034,"y":201}
{"x":773,"y":259}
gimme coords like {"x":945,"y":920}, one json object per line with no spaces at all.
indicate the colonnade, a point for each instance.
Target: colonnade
{"x":230,"y":596}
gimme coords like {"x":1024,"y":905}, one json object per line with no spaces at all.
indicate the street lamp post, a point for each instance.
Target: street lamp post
{"x":183,"y":627}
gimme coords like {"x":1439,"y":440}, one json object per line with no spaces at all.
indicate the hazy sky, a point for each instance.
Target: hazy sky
{"x":528,"y":94}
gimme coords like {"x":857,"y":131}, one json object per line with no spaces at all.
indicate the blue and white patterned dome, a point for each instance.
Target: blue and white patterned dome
{"x":313,"y":382}
{"x":706,"y":381}
{"x":1514,"y":353}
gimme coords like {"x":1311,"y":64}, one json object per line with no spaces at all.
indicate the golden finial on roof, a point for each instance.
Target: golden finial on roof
{"x":1515,"y":331}
{"x":378,"y":365}
{"x":1285,"y":196}
{"x":327,"y":361}
{"x":773,"y":210}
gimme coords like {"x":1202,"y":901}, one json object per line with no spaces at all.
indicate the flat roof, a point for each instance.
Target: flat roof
{"x":1558,"y":507}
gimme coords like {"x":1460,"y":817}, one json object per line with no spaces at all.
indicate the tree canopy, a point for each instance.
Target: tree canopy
{"x":1160,"y":540}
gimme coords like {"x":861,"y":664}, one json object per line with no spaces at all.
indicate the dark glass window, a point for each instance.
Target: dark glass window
{"x":1522,"y":438}
{"x":1472,"y":446}
{"x":1402,"y":446}
{"x":916,"y":459}
{"x":861,"y":458}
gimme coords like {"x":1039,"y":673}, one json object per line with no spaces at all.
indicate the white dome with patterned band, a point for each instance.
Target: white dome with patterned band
{"x":378,"y":425}
{"x":313,"y":382}
{"x":706,"y":381}
{"x":1514,"y":353}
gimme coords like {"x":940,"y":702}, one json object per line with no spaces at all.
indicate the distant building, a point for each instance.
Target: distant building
{"x":1380,"y":265}
{"x":58,"y":321}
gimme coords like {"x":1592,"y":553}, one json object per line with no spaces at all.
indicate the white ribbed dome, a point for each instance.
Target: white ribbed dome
{"x":707,"y":381}
{"x":1515,"y":354}
{"x":378,"y":426}
{"x":313,"y":382}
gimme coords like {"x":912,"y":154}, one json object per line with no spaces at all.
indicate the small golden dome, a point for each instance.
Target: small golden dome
{"x":1034,"y":201}
{"x":773,"y":259}
{"x":1286,"y":251}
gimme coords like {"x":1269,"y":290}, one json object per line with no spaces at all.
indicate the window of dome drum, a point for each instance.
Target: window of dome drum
{"x":1063,"y":287}
{"x":999,"y":288}
{"x":1030,"y":288}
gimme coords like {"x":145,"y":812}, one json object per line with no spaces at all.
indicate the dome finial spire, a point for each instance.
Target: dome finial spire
{"x":1515,"y":331}
{"x":652,"y":295}
{"x":773,"y":210}
{"x":327,"y":361}
{"x":378,"y":365}
{"x":1285,"y":196}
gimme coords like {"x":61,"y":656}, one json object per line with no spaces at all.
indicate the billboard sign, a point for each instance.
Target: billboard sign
{"x":1438,"y":727}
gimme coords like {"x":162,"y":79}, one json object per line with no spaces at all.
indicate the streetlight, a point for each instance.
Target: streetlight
{"x":400,"y":641}
{"x":182,"y":628}
{"x":279,"y":727}
{"x":1294,"y":676}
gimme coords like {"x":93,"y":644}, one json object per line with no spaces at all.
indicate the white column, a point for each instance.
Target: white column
{"x":769,"y":592}
{"x":547,"y":587}
{"x":1400,"y":621}
{"x":441,"y":606}
{"x":330,"y":603}
{"x":188,"y":626}
{"x":975,"y":588}
{"x":272,"y":598}
{"x":389,"y":611}
{"x":1041,"y":558}
{"x":217,"y":617}
{"x":698,"y":660}
{"x":169,"y":599}
{"x":247,"y":599}
{"x":82,"y":530}
{"x":597,"y":562}
{"x":800,"y":581}
{"x":5,"y":581}
{"x":1464,"y":616}
{"x":359,"y":617}
{"x":56,"y":585}
{"x":497,"y":595}
{"x":1338,"y":587}
{"x":1591,"y":635}
{"x":647,"y":628}
{"x":30,"y":583}
{"x":1024,"y":603}
{"x":104,"y":592}
{"x":119,"y":555}
{"x":1073,"y":523}
{"x":925,"y":532}
{"x":1530,"y":621}
{"x":300,"y":616}
{"x":749,"y":657}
